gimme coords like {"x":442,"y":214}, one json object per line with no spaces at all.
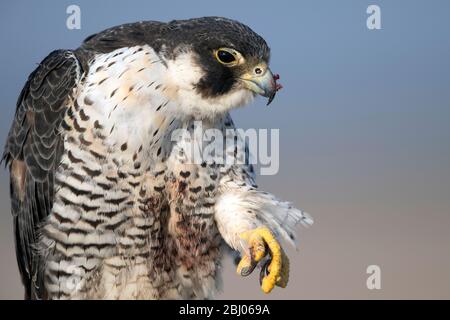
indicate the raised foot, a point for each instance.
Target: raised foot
{"x":275,"y":271}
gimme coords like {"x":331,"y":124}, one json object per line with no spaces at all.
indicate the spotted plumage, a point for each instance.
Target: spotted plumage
{"x":105,"y":202}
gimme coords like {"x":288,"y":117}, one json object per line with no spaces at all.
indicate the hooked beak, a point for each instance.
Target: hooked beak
{"x":264,"y":84}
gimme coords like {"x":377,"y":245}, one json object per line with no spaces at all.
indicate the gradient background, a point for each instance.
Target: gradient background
{"x":364,"y":128}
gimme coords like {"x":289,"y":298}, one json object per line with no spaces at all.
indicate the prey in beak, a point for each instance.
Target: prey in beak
{"x":278,"y":86}
{"x":263,"y":82}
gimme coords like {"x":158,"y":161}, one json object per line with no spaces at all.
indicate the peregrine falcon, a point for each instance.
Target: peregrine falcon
{"x":104,"y":204}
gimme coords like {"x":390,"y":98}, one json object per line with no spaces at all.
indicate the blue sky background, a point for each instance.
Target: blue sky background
{"x":364,"y":128}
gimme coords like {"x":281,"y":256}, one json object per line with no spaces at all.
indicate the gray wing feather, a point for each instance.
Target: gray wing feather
{"x":34,"y":140}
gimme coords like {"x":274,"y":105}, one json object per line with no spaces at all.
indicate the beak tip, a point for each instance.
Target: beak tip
{"x":270,"y":99}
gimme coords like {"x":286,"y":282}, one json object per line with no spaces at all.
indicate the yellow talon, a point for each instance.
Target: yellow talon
{"x":278,"y":269}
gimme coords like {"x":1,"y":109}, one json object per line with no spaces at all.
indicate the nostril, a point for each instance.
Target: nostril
{"x":258,"y":71}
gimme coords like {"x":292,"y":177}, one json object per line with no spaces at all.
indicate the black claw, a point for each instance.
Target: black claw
{"x":248,"y":270}
{"x":264,"y":270}
{"x":265,"y":267}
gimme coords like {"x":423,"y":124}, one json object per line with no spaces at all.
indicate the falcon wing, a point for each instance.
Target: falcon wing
{"x":33,"y":150}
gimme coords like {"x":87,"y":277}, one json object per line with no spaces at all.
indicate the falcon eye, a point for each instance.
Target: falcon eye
{"x":226,"y":56}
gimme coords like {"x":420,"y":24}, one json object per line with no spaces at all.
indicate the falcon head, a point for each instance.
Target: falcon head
{"x":216,"y":64}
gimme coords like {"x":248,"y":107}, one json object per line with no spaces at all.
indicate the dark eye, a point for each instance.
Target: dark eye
{"x":225,"y":57}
